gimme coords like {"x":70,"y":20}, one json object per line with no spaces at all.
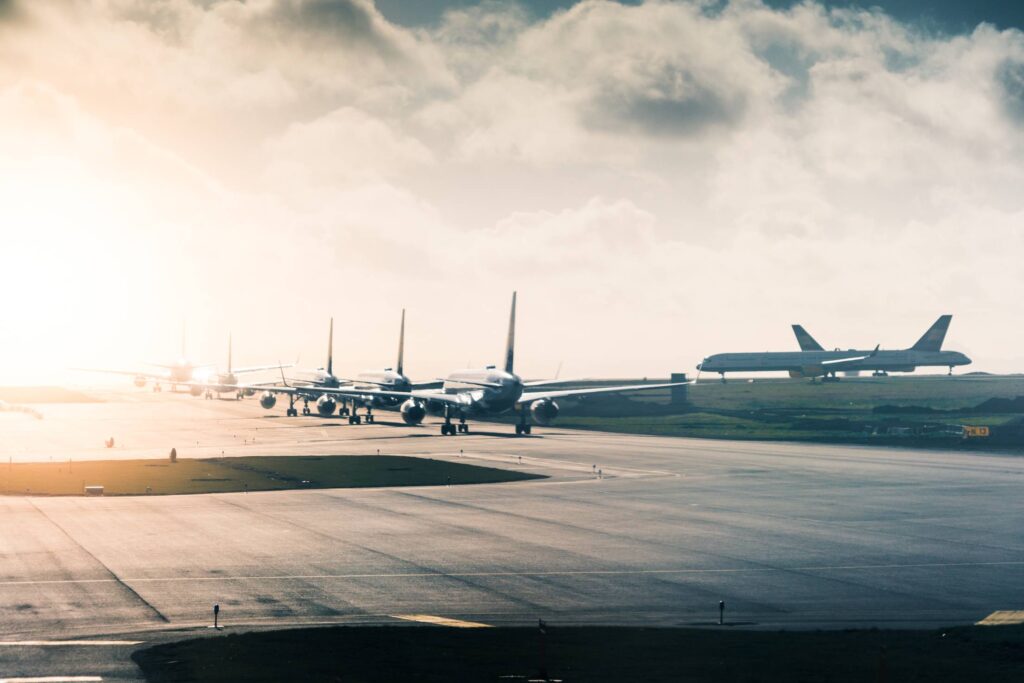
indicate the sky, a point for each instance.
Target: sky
{"x":659,"y":181}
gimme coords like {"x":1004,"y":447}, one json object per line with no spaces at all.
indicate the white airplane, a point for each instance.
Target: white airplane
{"x":185,"y":373}
{"x":480,"y":393}
{"x":227,"y":382}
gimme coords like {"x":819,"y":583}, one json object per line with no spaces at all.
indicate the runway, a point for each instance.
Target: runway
{"x":787,"y":535}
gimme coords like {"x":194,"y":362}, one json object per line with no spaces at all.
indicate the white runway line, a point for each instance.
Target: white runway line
{"x":68,"y":643}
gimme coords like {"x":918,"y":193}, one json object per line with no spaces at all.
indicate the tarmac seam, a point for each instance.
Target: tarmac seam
{"x":116,"y":579}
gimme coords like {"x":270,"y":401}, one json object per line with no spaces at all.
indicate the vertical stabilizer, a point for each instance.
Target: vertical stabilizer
{"x":510,"y":344}
{"x":933,"y":338}
{"x":806,"y":341}
{"x":330,"y":348}
{"x":400,"y":366}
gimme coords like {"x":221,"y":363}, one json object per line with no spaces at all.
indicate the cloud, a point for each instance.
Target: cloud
{"x":703,"y":172}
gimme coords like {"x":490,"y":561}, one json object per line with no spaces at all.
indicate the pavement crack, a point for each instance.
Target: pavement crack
{"x":117,"y":579}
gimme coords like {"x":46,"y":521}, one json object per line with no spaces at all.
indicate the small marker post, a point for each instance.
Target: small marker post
{"x":721,"y":612}
{"x":216,"y":615}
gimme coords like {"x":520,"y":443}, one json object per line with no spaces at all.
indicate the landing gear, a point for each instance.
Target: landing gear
{"x":369,"y":414}
{"x":343,"y":410}
{"x":305,"y":407}
{"x":950,"y":373}
{"x":208,"y":396}
{"x":448,"y":429}
{"x":830,"y":378}
{"x":462,"y":426}
{"x":879,"y":373}
{"x":291,"y":412}
{"x":157,"y":387}
{"x":723,"y":378}
{"x":522,"y":427}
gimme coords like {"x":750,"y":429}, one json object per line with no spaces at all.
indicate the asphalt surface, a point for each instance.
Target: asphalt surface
{"x":788,"y":535}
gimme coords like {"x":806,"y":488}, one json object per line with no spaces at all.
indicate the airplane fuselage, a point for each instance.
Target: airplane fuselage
{"x":372,"y":381}
{"x":819,"y":363}
{"x":486,"y":392}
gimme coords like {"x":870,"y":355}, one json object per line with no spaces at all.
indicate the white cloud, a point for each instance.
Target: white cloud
{"x":704,"y":174}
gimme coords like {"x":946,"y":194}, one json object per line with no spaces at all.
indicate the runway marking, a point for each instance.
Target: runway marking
{"x":53,"y":679}
{"x":440,"y":621}
{"x":1003,"y":618}
{"x":539,"y":573}
{"x":69,"y":643}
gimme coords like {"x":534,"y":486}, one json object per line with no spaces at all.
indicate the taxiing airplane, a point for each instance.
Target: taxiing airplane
{"x":815,"y":362}
{"x":227,"y":382}
{"x":480,"y":393}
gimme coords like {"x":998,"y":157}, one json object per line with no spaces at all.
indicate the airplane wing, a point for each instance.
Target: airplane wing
{"x":259,"y":368}
{"x":546,"y":382}
{"x":851,"y":359}
{"x":531,"y":396}
{"x":128,"y":373}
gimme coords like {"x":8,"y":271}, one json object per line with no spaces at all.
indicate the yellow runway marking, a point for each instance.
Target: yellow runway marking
{"x":1004,"y":617}
{"x":440,"y":621}
{"x":68,"y":643}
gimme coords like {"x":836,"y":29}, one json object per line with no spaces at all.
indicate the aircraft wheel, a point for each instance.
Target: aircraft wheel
{"x":519,"y":429}
{"x":527,"y":429}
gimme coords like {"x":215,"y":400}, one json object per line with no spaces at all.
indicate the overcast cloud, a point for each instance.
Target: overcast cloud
{"x":660,"y":182}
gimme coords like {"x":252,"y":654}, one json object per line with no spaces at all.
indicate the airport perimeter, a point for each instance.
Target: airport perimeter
{"x":795,"y":536}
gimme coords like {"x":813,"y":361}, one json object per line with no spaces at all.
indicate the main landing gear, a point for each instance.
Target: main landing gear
{"x":305,"y":406}
{"x":449,"y":429}
{"x":522,"y":427}
{"x":291,"y":412}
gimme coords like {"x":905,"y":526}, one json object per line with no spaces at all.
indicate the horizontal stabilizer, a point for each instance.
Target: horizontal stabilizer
{"x":933,"y":338}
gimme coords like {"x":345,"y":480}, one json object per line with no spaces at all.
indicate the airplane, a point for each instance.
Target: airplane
{"x":490,"y":391}
{"x":227,"y":382}
{"x":179,"y":373}
{"x":365,"y":390}
{"x":319,"y":388}
{"x":813,"y":363}
{"x":373,"y":382}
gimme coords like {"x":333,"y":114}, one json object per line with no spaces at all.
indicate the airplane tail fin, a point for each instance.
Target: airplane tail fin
{"x":330,"y":348}
{"x":806,"y":341}
{"x":933,"y":338}
{"x":400,"y":366}
{"x":510,"y":344}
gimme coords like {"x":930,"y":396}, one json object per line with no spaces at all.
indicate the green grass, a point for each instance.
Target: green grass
{"x":251,"y":473}
{"x":595,"y":655}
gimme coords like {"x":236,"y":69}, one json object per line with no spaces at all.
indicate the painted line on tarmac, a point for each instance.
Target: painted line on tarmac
{"x":69,"y":643}
{"x":514,"y":574}
{"x":440,"y":621}
{"x":52,"y":679}
{"x":1003,"y":618}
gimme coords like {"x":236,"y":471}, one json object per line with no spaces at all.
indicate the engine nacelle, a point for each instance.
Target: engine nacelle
{"x":248,"y":393}
{"x":413,"y":412}
{"x":268,"y":400}
{"x":326,"y":405}
{"x":195,"y":390}
{"x":139,"y":381}
{"x":544,"y":411}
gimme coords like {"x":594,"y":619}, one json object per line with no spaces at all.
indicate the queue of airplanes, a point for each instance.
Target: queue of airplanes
{"x":489,"y":391}
{"x":462,"y":395}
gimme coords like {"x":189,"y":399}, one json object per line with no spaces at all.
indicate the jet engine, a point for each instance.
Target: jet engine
{"x":139,"y":381}
{"x":326,"y":405}
{"x":544,"y":411}
{"x":268,"y":400}
{"x":195,"y":390}
{"x":248,"y":393}
{"x":413,"y":412}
